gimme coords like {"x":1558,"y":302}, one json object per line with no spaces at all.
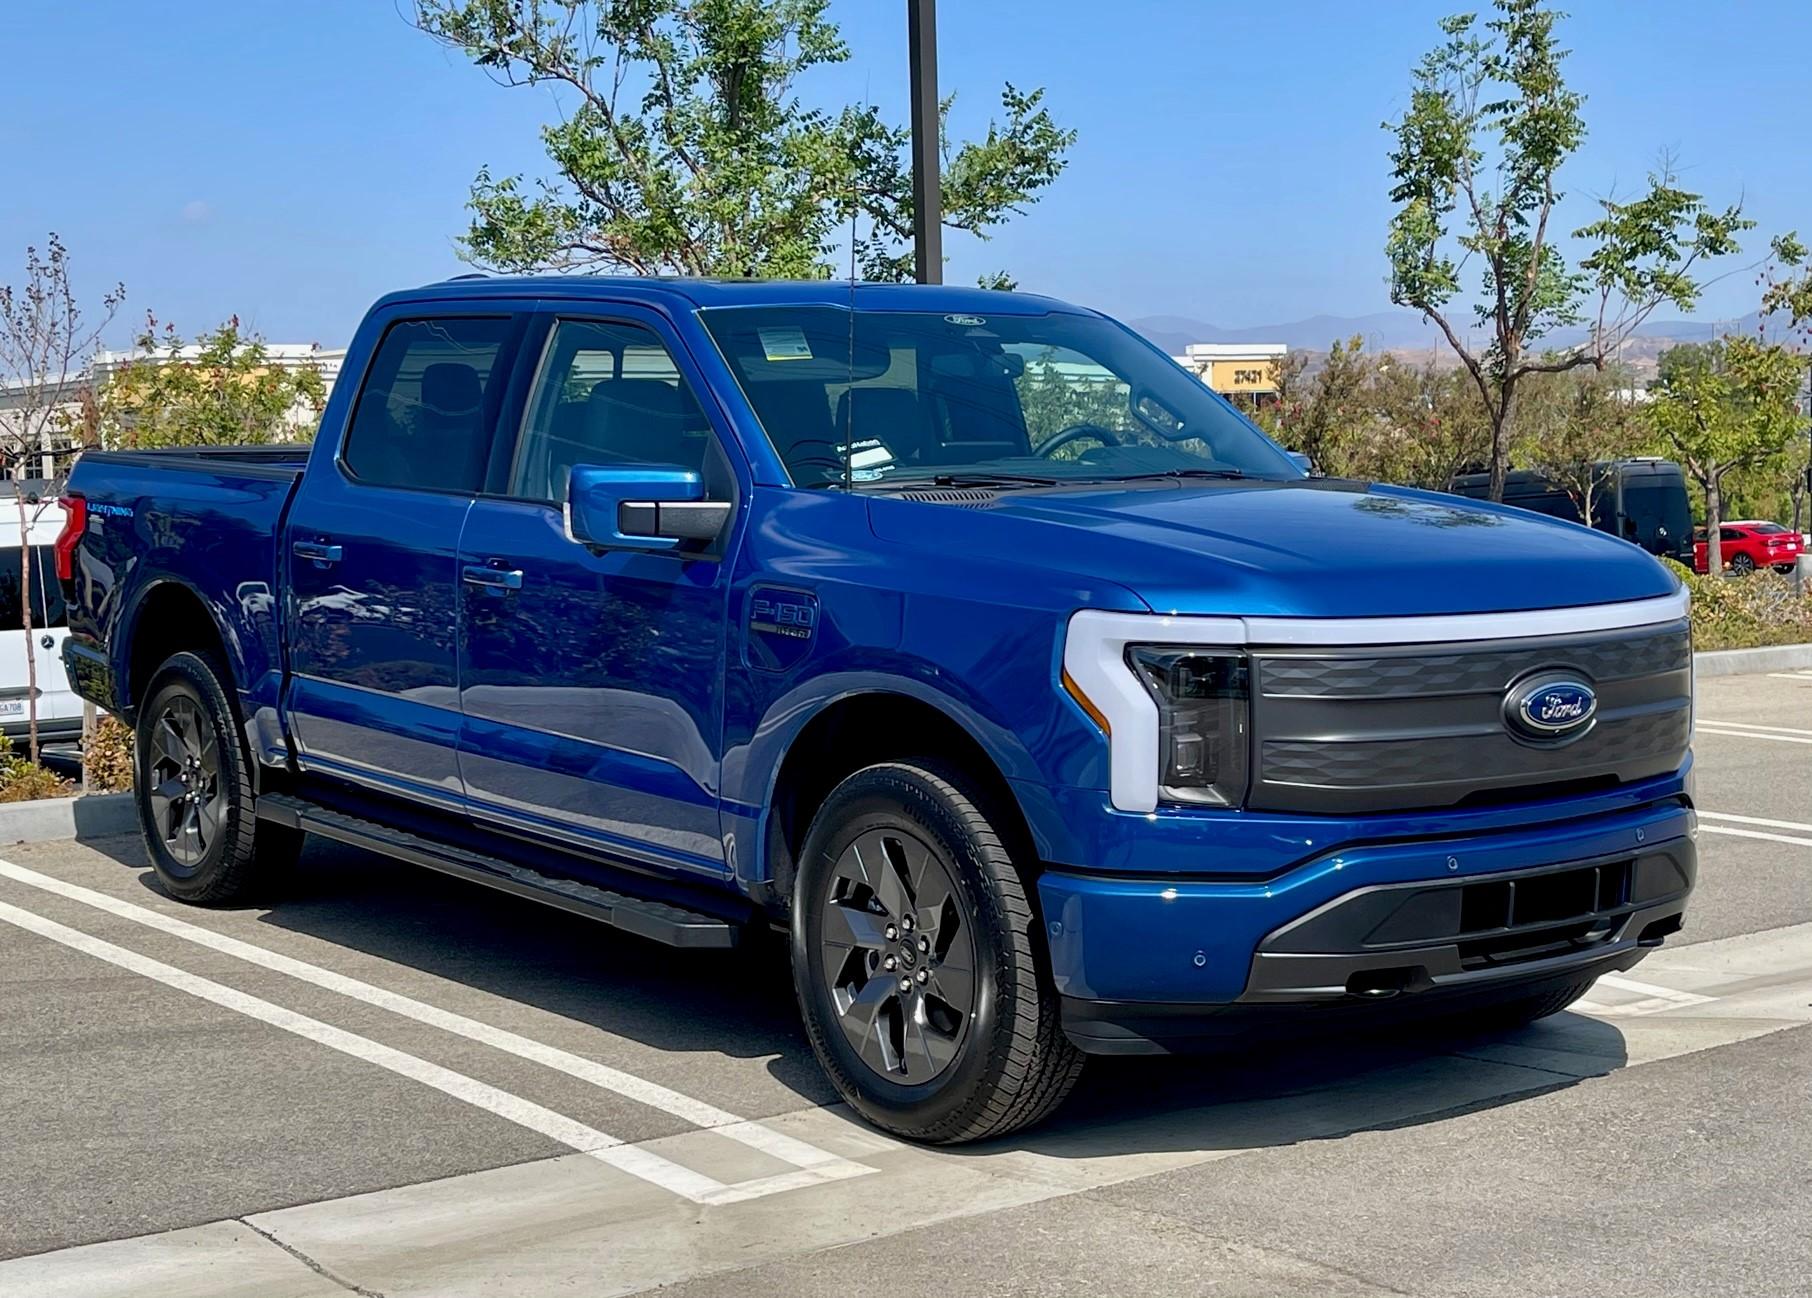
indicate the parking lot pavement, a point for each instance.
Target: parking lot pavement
{"x":395,"y":1083}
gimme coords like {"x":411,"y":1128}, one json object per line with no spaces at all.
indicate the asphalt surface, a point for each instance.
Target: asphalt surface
{"x":399,"y":1083}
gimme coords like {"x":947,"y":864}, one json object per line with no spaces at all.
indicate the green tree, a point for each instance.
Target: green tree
{"x":1570,"y":422}
{"x":1476,"y":167}
{"x":1430,"y":426}
{"x":683,"y":147}
{"x":1787,"y":294}
{"x":1327,"y":415}
{"x":224,"y":390}
{"x":1722,"y":408}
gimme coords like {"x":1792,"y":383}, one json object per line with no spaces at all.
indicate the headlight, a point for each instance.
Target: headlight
{"x":1203,"y":721}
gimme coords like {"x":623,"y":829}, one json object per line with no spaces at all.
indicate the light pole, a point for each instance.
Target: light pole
{"x":927,"y":188}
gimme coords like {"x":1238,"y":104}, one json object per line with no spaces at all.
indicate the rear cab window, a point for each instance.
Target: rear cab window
{"x":429,"y":402}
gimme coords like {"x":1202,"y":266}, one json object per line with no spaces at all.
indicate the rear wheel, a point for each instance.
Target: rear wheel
{"x":922,"y":982}
{"x":1742,"y":565}
{"x":193,"y":787}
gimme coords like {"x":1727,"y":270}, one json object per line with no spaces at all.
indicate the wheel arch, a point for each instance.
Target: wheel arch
{"x":170,"y":617}
{"x":860,"y":727}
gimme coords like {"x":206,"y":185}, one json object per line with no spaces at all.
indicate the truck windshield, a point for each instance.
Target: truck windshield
{"x":879,"y":398}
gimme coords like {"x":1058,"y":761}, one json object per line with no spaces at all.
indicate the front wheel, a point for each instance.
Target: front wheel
{"x":193,"y":787}
{"x":919,"y":973}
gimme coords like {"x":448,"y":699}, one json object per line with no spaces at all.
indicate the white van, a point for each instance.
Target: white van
{"x":59,"y":710}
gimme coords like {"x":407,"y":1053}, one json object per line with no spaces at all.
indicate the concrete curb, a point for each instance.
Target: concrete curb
{"x":1739,"y":662}
{"x":43,"y":819}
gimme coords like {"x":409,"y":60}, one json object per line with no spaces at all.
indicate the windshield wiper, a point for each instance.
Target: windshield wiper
{"x":919,"y":482}
{"x":1175,"y":473}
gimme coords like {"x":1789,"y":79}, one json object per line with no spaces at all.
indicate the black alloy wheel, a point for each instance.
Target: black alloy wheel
{"x":187,"y":800}
{"x":896,"y":954}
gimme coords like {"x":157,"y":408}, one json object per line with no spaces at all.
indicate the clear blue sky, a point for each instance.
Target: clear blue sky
{"x":291,"y":161}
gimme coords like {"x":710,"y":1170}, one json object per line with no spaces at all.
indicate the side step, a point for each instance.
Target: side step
{"x":657,"y":920}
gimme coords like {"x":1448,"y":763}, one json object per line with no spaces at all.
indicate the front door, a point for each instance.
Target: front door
{"x":371,"y":547}
{"x":591,"y":680}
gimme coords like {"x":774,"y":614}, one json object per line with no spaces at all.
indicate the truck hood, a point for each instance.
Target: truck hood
{"x":1314,"y":548}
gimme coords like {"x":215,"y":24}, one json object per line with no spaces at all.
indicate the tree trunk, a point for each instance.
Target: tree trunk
{"x":31,"y":653}
{"x":1714,"y":514}
{"x":1500,"y":445}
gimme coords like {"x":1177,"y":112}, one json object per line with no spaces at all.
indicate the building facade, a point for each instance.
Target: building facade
{"x":1245,"y":373}
{"x":55,"y":416}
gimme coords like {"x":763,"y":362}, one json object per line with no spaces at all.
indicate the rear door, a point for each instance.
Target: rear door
{"x":371,"y":545}
{"x":592,"y":682}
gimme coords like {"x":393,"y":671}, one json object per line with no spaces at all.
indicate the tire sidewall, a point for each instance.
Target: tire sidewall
{"x":191,"y":677}
{"x":873,"y":799}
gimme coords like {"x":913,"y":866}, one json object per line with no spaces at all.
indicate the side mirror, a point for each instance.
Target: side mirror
{"x":1301,"y":461}
{"x":640,"y":508}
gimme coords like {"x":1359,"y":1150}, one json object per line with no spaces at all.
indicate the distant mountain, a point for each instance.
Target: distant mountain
{"x":1382,"y":331}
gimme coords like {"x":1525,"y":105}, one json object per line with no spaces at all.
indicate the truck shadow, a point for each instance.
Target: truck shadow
{"x":1287,"y":1093}
{"x":740,"y":1004}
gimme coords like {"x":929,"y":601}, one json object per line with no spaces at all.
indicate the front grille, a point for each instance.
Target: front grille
{"x":1422,"y":726}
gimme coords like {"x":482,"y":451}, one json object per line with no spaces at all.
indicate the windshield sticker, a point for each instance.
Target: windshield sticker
{"x":971,"y":320}
{"x":784,"y":343}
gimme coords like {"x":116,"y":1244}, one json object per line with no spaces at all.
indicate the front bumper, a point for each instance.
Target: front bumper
{"x":1370,"y":931}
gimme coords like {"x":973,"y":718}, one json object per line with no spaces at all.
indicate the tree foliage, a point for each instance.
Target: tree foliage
{"x":684,"y":148}
{"x":1722,"y":408}
{"x":225,"y":390}
{"x":1476,"y":169}
{"x":1570,"y":421}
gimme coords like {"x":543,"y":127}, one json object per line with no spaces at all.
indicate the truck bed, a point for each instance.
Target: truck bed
{"x":282,"y":461}
{"x":168,"y":530}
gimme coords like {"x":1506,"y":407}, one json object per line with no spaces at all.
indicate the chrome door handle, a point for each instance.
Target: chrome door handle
{"x":477,"y":574}
{"x":319,"y":551}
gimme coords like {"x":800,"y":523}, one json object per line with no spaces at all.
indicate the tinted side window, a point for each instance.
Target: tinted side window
{"x":609,"y":394}
{"x":47,"y":609}
{"x":424,"y":415}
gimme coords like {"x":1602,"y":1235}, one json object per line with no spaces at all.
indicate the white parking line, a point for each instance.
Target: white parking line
{"x":1750,"y":725}
{"x":1734,"y":832}
{"x":1703,"y":729}
{"x":563,"y":1130}
{"x":1655,"y":1000}
{"x":1792,"y":676}
{"x":822,"y":1165}
{"x":1754,"y":820}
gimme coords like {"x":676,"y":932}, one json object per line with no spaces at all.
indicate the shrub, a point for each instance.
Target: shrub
{"x":107,"y":761}
{"x":1746,"y":612}
{"x":22,"y":780}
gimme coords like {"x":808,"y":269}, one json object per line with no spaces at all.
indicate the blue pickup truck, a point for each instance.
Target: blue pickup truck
{"x":1049,"y":707}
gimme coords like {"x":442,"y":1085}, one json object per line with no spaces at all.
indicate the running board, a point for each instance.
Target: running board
{"x":656,"y":920}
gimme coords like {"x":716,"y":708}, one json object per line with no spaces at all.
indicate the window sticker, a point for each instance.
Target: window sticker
{"x":868,"y":459}
{"x":784,"y":343}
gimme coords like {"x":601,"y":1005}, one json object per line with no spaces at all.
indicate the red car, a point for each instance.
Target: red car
{"x":1750,"y":545}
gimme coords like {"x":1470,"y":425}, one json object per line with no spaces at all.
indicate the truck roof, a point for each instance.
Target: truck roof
{"x":704,"y":293}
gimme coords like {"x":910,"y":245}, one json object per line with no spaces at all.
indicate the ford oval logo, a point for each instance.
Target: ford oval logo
{"x":1551,"y":707}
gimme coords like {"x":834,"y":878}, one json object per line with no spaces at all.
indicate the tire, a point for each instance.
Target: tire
{"x":1742,"y":565}
{"x":193,"y":786}
{"x":1519,"y":1013}
{"x":1784,"y":569}
{"x":903,"y":876}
